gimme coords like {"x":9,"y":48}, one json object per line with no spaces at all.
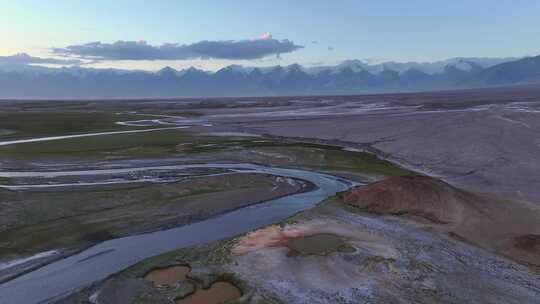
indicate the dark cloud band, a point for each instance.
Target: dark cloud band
{"x":140,"y":50}
{"x":25,"y":59}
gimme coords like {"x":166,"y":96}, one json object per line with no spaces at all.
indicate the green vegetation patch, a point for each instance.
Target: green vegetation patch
{"x":331,"y":159}
{"x":153,"y":142}
{"x":28,"y":124}
{"x":165,"y":143}
{"x":42,"y":220}
{"x":304,"y":155}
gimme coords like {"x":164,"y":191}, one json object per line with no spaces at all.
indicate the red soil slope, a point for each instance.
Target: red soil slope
{"x":510,"y":228}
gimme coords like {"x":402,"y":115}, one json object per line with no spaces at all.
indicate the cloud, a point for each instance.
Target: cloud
{"x":141,"y":50}
{"x":25,"y":59}
{"x":266,"y":36}
{"x":330,"y":48}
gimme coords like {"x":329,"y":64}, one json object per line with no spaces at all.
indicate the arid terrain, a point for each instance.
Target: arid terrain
{"x":401,"y":198}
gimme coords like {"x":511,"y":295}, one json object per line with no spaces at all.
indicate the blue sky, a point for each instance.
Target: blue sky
{"x":329,"y":31}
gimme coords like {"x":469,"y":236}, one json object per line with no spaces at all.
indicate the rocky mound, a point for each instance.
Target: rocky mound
{"x":507,"y":227}
{"x":421,"y":196}
{"x":529,"y":242}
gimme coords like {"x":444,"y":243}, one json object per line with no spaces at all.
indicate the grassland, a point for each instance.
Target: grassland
{"x":45,"y":219}
{"x":168,"y":143}
{"x":38,"y":124}
{"x":139,"y":143}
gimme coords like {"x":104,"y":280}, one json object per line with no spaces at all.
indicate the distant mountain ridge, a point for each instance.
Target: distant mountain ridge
{"x":426,"y":67}
{"x":349,"y":77}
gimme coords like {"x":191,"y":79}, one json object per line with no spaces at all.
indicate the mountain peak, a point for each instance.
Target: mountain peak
{"x":192,"y":70}
{"x":167,"y":71}
{"x":234,"y":68}
{"x":22,"y":56}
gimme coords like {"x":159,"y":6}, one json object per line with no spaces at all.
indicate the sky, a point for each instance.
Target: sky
{"x":213,"y":34}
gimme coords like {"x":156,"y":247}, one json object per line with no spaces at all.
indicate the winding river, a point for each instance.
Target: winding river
{"x":60,"y":278}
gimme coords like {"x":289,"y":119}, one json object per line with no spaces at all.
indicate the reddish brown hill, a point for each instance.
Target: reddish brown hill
{"x":506,"y":227}
{"x":421,"y":196}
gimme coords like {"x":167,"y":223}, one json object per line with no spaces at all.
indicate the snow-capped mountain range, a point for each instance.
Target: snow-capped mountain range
{"x":348,"y":77}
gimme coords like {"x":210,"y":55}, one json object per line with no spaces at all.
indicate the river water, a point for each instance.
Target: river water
{"x":60,"y":278}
